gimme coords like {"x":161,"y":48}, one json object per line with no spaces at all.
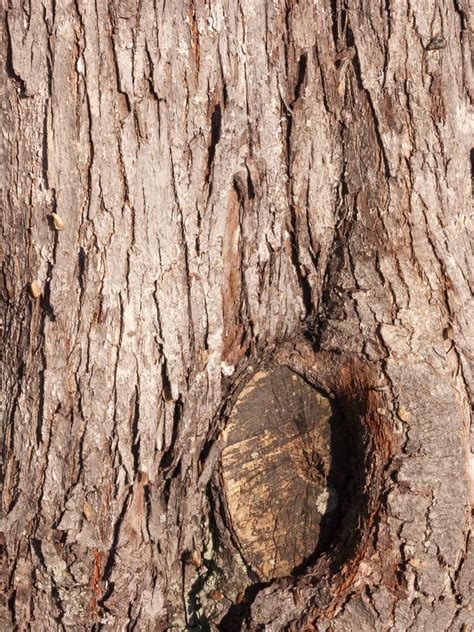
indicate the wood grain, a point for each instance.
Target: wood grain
{"x":275,"y":469}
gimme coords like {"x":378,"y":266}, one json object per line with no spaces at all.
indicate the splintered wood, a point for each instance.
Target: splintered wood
{"x":278,"y":470}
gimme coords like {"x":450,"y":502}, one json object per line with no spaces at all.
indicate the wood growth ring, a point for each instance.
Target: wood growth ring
{"x":284,"y":471}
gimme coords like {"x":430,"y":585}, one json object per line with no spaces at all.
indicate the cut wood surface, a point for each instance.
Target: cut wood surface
{"x":276,"y":467}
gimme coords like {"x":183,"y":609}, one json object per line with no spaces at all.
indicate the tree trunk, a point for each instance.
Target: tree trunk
{"x":193,"y":192}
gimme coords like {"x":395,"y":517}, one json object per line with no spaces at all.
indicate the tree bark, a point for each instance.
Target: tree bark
{"x":240,"y":184}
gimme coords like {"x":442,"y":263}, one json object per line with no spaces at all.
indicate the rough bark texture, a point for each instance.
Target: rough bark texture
{"x":232,"y":176}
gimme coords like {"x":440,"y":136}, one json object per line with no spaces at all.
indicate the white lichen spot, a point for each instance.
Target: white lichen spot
{"x":327,"y":501}
{"x":227,"y":369}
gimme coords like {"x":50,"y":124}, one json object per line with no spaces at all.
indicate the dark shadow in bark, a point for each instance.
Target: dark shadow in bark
{"x":340,"y":479}
{"x":239,"y":612}
{"x":472,"y":170}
